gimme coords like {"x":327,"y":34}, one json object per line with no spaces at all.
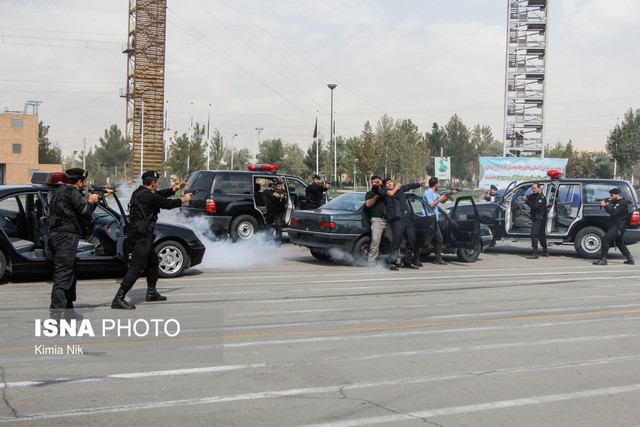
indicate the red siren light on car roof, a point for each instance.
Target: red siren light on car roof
{"x":49,"y":178}
{"x":554,"y":174}
{"x":263,"y":168}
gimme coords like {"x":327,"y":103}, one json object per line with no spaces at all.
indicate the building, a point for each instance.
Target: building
{"x":19,"y":148}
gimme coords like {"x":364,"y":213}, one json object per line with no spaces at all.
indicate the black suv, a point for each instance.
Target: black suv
{"x":234,"y":202}
{"x":24,"y":233}
{"x":574,"y":212}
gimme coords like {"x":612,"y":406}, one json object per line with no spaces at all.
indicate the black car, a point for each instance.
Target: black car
{"x":344,"y":224}
{"x":574,"y":213}
{"x":234,"y":202}
{"x":24,"y":210}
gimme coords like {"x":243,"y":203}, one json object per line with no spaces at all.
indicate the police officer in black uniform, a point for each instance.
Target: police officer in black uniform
{"x":399,"y":215}
{"x":276,"y":208}
{"x":144,"y":206}
{"x":315,"y":193}
{"x":617,"y":208}
{"x":538,"y":204}
{"x":69,"y":216}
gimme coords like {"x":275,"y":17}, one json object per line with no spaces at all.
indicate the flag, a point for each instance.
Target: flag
{"x":315,"y":130}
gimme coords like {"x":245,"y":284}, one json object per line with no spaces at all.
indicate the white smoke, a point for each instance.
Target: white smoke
{"x":220,"y":253}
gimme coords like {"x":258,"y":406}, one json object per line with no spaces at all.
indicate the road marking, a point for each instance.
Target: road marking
{"x":488,"y":406}
{"x":378,"y":356}
{"x":374,"y":420}
{"x":340,"y":330}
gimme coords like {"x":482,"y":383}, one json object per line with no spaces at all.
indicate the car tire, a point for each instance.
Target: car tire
{"x":361,"y":249}
{"x":243,"y":227}
{"x":469,"y":255}
{"x":3,"y":265}
{"x":588,"y":242}
{"x":172,"y":258}
{"x":320,"y":255}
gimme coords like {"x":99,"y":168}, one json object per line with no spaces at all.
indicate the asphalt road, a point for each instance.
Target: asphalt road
{"x":295,"y":341}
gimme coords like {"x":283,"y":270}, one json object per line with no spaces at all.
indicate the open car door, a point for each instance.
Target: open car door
{"x":464,"y":229}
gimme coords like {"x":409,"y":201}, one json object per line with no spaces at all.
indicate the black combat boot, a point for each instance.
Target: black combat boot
{"x":153,"y":294}
{"x":601,"y":261}
{"x":119,"y":301}
{"x":439,"y":260}
{"x":534,"y":254}
{"x":629,"y":260}
{"x":545,"y":252}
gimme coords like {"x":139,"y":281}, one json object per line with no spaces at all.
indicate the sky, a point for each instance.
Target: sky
{"x":266,"y":64}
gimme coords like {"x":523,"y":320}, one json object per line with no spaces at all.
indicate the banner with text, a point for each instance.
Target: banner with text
{"x":442,"y":167}
{"x":500,"y":171}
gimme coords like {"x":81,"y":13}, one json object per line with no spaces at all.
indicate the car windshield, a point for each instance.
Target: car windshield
{"x":346,"y":202}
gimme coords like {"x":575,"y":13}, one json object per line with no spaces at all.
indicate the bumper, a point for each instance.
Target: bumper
{"x":314,"y":239}
{"x":632,"y":236}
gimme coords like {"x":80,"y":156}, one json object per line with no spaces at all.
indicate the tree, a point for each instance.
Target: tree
{"x":460,"y":148}
{"x":112,"y":153}
{"x":408,"y":154}
{"x":241,"y":158}
{"x":482,"y":139}
{"x":271,"y":151}
{"x":48,"y":152}
{"x":293,"y":161}
{"x":435,"y":141}
{"x":216,"y":151}
{"x":186,"y":155}
{"x":623,"y":142}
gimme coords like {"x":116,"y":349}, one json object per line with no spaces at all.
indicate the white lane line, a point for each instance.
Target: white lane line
{"x":347,"y":387}
{"x":378,"y":356}
{"x":488,"y":406}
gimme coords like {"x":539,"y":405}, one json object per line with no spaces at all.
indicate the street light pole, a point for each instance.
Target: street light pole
{"x":355,"y":161}
{"x":332,"y":86}
{"x":259,"y":130}
{"x":233,"y":148}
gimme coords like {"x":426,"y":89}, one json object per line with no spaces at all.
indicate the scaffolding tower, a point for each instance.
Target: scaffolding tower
{"x":145,"y":83}
{"x":525,"y":78}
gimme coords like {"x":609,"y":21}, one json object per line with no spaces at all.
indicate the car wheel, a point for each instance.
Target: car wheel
{"x":361,"y":249}
{"x":320,"y":255}
{"x":469,"y":255}
{"x":588,"y":242}
{"x":3,"y":265}
{"x":172,"y":258}
{"x":243,"y":227}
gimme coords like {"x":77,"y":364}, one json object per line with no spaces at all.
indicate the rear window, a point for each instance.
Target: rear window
{"x":233,"y":183}
{"x":200,"y":183}
{"x":596,"y":192}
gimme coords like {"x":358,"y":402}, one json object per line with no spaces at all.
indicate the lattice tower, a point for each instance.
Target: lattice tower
{"x":525,"y":78}
{"x":145,"y":82}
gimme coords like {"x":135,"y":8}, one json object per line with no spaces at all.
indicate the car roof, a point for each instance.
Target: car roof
{"x":8,"y":189}
{"x":249,"y":172}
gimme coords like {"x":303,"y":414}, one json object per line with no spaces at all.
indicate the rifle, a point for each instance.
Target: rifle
{"x":449,"y":194}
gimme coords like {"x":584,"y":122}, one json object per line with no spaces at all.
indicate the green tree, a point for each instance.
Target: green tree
{"x":435,"y":141}
{"x":216,"y":150}
{"x":112,"y":153}
{"x":482,"y":139}
{"x":241,"y":158}
{"x":48,"y":152}
{"x":293,"y":162}
{"x":408,"y":153}
{"x":460,"y":148}
{"x":271,"y":151}
{"x":623,"y":142}
{"x":310,"y":159}
{"x":185,"y":155}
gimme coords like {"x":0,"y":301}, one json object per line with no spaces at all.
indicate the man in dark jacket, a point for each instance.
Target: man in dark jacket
{"x":617,"y":208}
{"x":144,"y":206}
{"x":399,"y":213}
{"x":315,"y":193}
{"x":276,"y":208}
{"x":375,"y":205}
{"x":67,"y":223}
{"x":538,"y":204}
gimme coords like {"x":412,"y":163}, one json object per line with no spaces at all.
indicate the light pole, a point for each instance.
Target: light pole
{"x":355,"y":161}
{"x":73,"y":159}
{"x":233,"y":148}
{"x":332,"y":86}
{"x":259,"y":130}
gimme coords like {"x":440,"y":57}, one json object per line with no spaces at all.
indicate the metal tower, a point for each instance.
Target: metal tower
{"x":145,"y":82}
{"x":525,"y":78}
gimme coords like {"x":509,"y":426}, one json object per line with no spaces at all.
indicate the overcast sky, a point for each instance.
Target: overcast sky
{"x":267,"y":64}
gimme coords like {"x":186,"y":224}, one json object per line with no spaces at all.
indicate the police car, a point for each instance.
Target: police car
{"x":24,"y":212}
{"x":234,"y":202}
{"x":574,"y":215}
